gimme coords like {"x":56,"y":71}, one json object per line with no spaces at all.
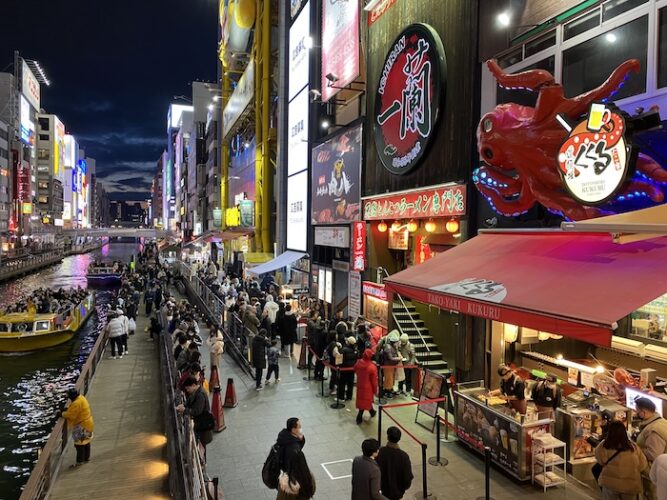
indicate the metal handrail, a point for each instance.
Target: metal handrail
{"x":414,"y":323}
{"x":45,"y":472}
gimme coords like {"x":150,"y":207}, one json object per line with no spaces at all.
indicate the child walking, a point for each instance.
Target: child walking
{"x":273,"y":356}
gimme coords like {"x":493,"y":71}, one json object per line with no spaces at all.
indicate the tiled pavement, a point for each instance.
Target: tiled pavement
{"x":237,"y":454}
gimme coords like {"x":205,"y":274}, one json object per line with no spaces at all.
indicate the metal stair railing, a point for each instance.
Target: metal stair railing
{"x":405,"y":308}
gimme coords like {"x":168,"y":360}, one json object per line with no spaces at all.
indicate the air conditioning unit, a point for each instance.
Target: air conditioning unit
{"x":628,"y":345}
{"x":656,"y":352}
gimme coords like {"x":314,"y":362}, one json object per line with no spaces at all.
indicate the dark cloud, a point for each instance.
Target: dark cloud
{"x":115,"y":67}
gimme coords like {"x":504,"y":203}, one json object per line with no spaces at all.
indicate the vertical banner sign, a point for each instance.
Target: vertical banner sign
{"x":299,"y":59}
{"x":408,"y":98}
{"x":358,"y":246}
{"x":336,"y":173}
{"x":354,"y":290}
{"x":340,"y":45}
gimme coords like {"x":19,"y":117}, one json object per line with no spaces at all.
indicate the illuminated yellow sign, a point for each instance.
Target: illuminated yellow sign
{"x":26,"y":208}
{"x":232,"y":217}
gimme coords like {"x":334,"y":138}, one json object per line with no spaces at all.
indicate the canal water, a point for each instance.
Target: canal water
{"x":33,"y":385}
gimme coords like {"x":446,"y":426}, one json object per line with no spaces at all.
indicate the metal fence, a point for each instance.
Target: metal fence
{"x":17,"y":267}
{"x":45,"y":472}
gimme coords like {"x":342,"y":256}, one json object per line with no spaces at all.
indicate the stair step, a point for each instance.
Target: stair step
{"x":409,"y":322}
{"x":397,"y":306}
{"x":445,"y":372}
{"x":417,"y":340}
{"x":435,"y":364}
{"x":419,"y":345}
{"x":430,"y":355}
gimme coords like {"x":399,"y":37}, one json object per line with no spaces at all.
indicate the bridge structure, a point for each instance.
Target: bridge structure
{"x":118,"y":232}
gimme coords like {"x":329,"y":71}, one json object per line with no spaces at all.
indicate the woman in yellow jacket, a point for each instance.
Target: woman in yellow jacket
{"x":80,"y":422}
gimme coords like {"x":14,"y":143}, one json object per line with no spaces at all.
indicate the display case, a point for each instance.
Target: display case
{"x":577,"y":422}
{"x":487,"y":421}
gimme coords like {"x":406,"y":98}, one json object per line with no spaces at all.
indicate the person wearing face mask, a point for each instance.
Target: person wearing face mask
{"x":290,"y":442}
{"x":652,"y":438}
{"x":547,"y":394}
{"x":512,"y":388}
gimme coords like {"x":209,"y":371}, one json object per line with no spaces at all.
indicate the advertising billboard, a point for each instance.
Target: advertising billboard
{"x":30,"y":86}
{"x":340,"y":45}
{"x":297,"y":212}
{"x":299,"y":56}
{"x":336,"y":168}
{"x":297,"y":126}
{"x":240,"y":99}
{"x":26,"y":125}
{"x":59,"y":149}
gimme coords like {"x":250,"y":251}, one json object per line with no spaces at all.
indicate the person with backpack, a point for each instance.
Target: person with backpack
{"x":198,"y":409}
{"x":297,"y":483}
{"x":622,"y":463}
{"x":290,"y":442}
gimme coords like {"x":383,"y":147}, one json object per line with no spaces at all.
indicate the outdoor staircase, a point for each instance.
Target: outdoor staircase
{"x":408,"y":321}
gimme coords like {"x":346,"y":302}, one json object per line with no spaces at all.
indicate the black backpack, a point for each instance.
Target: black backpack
{"x":271,"y":469}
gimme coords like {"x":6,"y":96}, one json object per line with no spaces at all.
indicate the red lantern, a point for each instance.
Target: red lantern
{"x":382,"y":227}
{"x":452,"y":226}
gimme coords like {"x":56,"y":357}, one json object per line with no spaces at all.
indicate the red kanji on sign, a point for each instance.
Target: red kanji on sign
{"x":358,"y":246}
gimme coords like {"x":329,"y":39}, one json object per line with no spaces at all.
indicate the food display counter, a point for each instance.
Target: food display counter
{"x":488,"y":421}
{"x":577,"y":421}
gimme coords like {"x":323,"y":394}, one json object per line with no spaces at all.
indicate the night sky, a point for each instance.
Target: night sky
{"x":114,"y":67}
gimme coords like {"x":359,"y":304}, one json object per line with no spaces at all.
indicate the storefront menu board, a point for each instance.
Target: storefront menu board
{"x":432,"y":388}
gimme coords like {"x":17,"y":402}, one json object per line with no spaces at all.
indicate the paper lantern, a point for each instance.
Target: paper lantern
{"x":382,"y":227}
{"x":452,"y":226}
{"x":396,"y":226}
{"x":412,"y":226}
{"x":430,"y":226}
{"x":244,"y":14}
{"x":510,"y":332}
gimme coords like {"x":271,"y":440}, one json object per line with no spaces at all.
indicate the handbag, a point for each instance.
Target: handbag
{"x":598,"y":467}
{"x":204,"y":422}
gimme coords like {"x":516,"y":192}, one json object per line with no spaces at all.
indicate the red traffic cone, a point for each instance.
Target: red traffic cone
{"x":230,"y":395}
{"x":218,"y":412}
{"x":214,"y":380}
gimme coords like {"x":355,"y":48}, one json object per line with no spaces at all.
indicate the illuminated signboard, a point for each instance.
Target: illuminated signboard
{"x":447,"y":200}
{"x":297,"y":127}
{"x":297,"y":212}
{"x":299,"y":55}
{"x":59,"y":148}
{"x":30,"y":86}
{"x":340,"y":45}
{"x":27,"y":126}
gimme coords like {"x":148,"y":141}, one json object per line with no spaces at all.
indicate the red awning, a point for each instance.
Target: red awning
{"x":578,"y":285}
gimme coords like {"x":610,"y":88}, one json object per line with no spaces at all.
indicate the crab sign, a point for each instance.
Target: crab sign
{"x":519,"y":147}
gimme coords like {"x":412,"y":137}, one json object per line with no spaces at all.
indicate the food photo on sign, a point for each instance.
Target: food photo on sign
{"x":336,"y":168}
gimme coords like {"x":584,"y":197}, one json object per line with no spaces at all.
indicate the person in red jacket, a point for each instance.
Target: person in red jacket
{"x":367,"y":384}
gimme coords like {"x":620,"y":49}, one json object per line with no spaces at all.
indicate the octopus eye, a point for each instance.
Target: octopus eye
{"x":488,"y":125}
{"x":488,"y":153}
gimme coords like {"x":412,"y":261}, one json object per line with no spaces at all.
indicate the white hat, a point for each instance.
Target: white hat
{"x":404,"y":338}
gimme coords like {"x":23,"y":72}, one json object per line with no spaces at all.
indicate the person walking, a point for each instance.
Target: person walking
{"x":407,"y":351}
{"x":367,"y":384}
{"x":622,"y":464}
{"x":395,"y":466}
{"x":149,"y":298}
{"x":273,"y":357}
{"x":658,"y":476}
{"x":346,"y":374}
{"x":126,"y":329}
{"x":81,"y":425}
{"x":216,"y":344}
{"x":652,"y":439}
{"x":115,"y":331}
{"x":259,"y":345}
{"x":288,"y":331}
{"x":366,"y":475}
{"x":290,"y":442}
{"x":271,"y":311}
{"x":297,"y":483}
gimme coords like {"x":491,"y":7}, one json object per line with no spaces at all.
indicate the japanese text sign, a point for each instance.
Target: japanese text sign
{"x":378,"y":11}
{"x":374,"y":290}
{"x":340,"y":44}
{"x":358,"y":246}
{"x":408,"y":98}
{"x":437,"y":201}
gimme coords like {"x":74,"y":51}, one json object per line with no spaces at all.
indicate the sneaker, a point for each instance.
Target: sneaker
{"x":259,"y":388}
{"x":112,"y":357}
{"x":373,"y":413}
{"x":120,"y":357}
{"x":359,"y":419}
{"x":277,"y":380}
{"x":267,"y":382}
{"x":127,"y":351}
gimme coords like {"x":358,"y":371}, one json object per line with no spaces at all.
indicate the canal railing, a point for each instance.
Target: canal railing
{"x":235,"y":334}
{"x":16,"y":267}
{"x":45,"y":472}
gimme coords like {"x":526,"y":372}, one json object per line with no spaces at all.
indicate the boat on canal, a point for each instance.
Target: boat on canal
{"x":105,"y":274}
{"x":24,"y":332}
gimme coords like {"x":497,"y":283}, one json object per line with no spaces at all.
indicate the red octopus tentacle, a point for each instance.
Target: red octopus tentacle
{"x":530,"y":80}
{"x":649,"y":190}
{"x":649,"y":168}
{"x":521,"y":204}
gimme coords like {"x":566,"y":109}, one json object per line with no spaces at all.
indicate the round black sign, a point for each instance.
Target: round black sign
{"x":408,"y":97}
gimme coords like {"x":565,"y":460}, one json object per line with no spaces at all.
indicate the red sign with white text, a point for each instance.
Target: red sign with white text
{"x":438,"y":201}
{"x":358,"y":246}
{"x":340,"y":45}
{"x":378,"y":11}
{"x":374,"y":290}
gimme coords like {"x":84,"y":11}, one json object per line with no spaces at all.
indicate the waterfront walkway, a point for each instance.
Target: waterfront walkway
{"x":127,"y":449}
{"x":333,"y":439}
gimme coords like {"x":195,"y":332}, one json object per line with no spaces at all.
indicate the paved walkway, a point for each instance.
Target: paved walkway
{"x":237,"y":454}
{"x":127,"y":449}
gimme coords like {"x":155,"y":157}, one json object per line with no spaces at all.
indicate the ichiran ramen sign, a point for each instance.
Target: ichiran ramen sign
{"x":408,"y":98}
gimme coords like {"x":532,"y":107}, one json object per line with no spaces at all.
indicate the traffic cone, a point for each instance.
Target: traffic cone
{"x":303,"y":357}
{"x":218,"y":412}
{"x":230,"y":395}
{"x":214,"y":380}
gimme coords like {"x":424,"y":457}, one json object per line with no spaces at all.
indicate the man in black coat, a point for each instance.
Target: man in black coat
{"x":290,"y":441}
{"x":259,"y":345}
{"x":395,"y":466}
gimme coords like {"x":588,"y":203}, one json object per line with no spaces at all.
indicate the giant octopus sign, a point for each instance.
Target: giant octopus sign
{"x":573,"y":156}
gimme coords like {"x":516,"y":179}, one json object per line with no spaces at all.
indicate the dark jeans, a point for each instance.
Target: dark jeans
{"x":407,"y":381}
{"x":333,"y":379}
{"x":82,"y":453}
{"x":275,"y":369}
{"x":116,"y":342}
{"x":319,"y":369}
{"x":149,"y":308}
{"x":345,"y":385}
{"x":258,"y":376}
{"x":124,"y":340}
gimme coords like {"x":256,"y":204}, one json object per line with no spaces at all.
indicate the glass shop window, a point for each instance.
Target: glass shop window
{"x":590,"y":63}
{"x":511,"y":58}
{"x":581,"y":25}
{"x":525,"y":97}
{"x":541,"y":43}
{"x":651,"y":320}
{"x":617,"y":7}
{"x":662,"y":48}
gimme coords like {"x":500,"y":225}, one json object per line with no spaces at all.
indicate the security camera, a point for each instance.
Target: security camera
{"x":315,"y":95}
{"x":332,"y":78}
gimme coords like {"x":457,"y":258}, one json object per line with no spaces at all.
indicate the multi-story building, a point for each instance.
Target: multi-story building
{"x":157,"y":193}
{"x":211,"y":201}
{"x":4,"y":184}
{"x":50,"y":167}
{"x":102,"y":205}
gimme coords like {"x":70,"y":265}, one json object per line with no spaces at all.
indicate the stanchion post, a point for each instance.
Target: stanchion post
{"x":437,"y":460}
{"x":380,"y":423}
{"x":487,"y":475}
{"x":337,"y":405}
{"x":424,"y":485}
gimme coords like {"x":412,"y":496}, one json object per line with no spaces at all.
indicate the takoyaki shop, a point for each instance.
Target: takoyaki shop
{"x":575,"y":325}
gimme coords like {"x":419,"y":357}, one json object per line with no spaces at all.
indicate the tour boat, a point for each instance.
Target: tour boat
{"x":104,"y":274}
{"x":23,"y":332}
